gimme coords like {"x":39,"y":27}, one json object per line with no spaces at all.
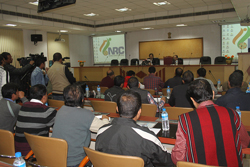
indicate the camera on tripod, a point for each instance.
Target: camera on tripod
{"x":26,"y":60}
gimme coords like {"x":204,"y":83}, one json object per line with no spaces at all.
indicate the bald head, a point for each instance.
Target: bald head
{"x":111,"y":73}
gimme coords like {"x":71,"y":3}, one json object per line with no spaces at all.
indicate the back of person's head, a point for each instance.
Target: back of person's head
{"x":133,"y":82}
{"x":118,"y":80}
{"x":5,"y":55}
{"x":200,"y":90}
{"x":151,"y":69}
{"x":9,"y":89}
{"x":39,"y":61}
{"x":1,"y":59}
{"x":178,"y":72}
{"x":239,"y":71}
{"x":57,"y":56}
{"x":129,"y":103}
{"x":38,"y":91}
{"x":201,"y":72}
{"x":236,"y":79}
{"x":110,"y":73}
{"x":188,"y":76}
{"x":130,"y":73}
{"x":73,"y":95}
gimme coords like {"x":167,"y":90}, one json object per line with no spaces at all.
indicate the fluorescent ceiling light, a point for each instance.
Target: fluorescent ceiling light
{"x":123,"y":9}
{"x":11,"y":25}
{"x":63,"y":30}
{"x":34,"y":3}
{"x":161,"y":3}
{"x":90,"y":14}
{"x":118,"y":31}
{"x":181,"y":25}
{"x":147,"y":28}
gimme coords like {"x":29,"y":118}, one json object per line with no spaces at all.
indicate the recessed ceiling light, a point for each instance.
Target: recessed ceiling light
{"x":91,"y":14}
{"x":161,"y":3}
{"x":181,"y":25}
{"x":123,"y":9}
{"x":147,"y":28}
{"x":118,"y":31}
{"x":63,"y":30}
{"x":34,"y":3}
{"x":11,"y":25}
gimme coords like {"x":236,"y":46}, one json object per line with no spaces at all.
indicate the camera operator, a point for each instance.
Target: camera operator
{"x":38,"y":76}
{"x":15,"y":73}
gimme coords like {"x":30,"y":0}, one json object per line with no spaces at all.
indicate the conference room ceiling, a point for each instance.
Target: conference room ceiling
{"x":143,"y":14}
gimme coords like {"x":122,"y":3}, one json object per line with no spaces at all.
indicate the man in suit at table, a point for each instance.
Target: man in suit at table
{"x":211,"y":134}
{"x":124,"y":137}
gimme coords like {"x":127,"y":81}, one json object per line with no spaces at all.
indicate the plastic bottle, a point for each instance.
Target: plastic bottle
{"x":238,"y":110}
{"x":176,"y":62}
{"x":165,"y":121}
{"x":168,"y":93}
{"x":98,"y":92}
{"x":248,"y":90}
{"x":19,"y":161}
{"x":87,"y":91}
{"x":218,"y":84}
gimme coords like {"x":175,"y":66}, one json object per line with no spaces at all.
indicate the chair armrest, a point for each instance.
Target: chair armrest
{"x":84,"y":161}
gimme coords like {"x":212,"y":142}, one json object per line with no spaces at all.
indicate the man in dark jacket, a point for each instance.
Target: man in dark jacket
{"x":177,"y":80}
{"x":124,"y":137}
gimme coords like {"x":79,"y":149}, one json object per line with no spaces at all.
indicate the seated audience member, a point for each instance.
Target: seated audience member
{"x":177,"y":80}
{"x":9,"y":109}
{"x":243,"y":88}
{"x":211,"y":134}
{"x":38,"y":76}
{"x":175,"y":57}
{"x":201,"y":75}
{"x":130,"y":74}
{"x":4,"y":75}
{"x":124,"y":137}
{"x":74,"y":124}
{"x":34,"y":117}
{"x":146,"y":97}
{"x":179,"y":97}
{"x":108,"y":81}
{"x":152,"y":81}
{"x":113,"y":93}
{"x":234,"y":96}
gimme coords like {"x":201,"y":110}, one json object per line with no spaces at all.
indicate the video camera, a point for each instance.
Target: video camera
{"x":26,"y":60}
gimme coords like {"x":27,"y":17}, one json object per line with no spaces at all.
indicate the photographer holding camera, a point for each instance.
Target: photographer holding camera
{"x":38,"y":76}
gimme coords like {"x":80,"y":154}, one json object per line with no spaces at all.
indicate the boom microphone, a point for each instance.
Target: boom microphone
{"x":210,"y":72}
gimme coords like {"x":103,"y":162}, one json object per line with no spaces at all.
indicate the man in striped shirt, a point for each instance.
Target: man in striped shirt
{"x":34,"y":117}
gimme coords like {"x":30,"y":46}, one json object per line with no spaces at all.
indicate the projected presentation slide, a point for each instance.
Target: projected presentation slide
{"x":107,"y":48}
{"x":235,"y":39}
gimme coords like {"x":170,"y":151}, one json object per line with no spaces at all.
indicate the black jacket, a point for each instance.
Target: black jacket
{"x":143,"y":93}
{"x":172,"y":82}
{"x":124,"y":137}
{"x":113,"y":93}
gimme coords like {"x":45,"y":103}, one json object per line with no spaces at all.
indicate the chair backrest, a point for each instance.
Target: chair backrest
{"x":49,"y":151}
{"x":245,"y":117}
{"x":168,"y":60}
{"x":151,"y":91}
{"x":55,"y":103}
{"x":156,"y":61}
{"x":190,"y":164}
{"x":100,"y":159}
{"x":114,"y":62}
{"x":7,"y":145}
{"x":103,"y":89}
{"x":124,"y":62}
{"x":205,"y":60}
{"x":220,"y":60}
{"x":164,"y":91}
{"x":148,"y":110}
{"x":223,"y":93}
{"x":174,"y":112}
{"x":104,"y":106}
{"x":134,"y":62}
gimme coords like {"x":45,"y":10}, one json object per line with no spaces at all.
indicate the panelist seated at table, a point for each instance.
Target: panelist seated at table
{"x":179,"y":97}
{"x":124,"y":137}
{"x":113,"y":93}
{"x":211,"y":134}
{"x":108,"y":81}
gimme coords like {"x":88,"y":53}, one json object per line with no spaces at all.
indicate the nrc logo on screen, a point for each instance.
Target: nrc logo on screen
{"x":106,"y":50}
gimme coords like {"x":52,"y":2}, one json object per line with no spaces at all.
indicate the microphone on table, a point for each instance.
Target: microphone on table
{"x":210,"y":72}
{"x":86,"y":77}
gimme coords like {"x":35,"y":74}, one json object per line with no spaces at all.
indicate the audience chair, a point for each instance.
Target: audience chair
{"x":148,"y":110}
{"x":164,"y":91}
{"x":151,"y":91}
{"x":103,"y":89}
{"x":156,"y":61}
{"x":55,"y":103}
{"x":7,"y":146}
{"x":104,"y":106}
{"x":223,"y":93}
{"x":174,"y":112}
{"x":190,"y":164}
{"x":180,"y":61}
{"x":134,"y":62}
{"x":100,"y":159}
{"x":124,"y":62}
{"x":220,"y":60}
{"x":205,"y":60}
{"x":245,"y":117}
{"x":114,"y":62}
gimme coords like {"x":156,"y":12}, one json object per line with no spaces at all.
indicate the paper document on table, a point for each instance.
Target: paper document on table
{"x":146,"y":124}
{"x":155,"y":130}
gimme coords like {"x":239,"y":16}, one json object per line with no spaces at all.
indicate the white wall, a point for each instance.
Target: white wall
{"x":209,"y":33}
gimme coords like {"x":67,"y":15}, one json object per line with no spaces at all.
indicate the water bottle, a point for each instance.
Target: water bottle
{"x":248,"y":90}
{"x":176,"y":62}
{"x":19,"y":161}
{"x":218,"y":84}
{"x":168,"y":93}
{"x":238,"y":110}
{"x":87,"y":91}
{"x":98,"y":92}
{"x":165,"y":121}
